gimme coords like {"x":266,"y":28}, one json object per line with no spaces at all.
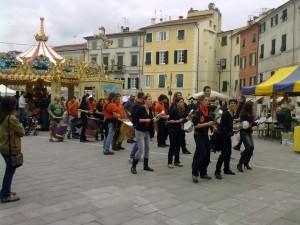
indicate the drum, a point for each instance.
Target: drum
{"x":236,"y":127}
{"x":188,"y":126}
{"x":127,"y":123}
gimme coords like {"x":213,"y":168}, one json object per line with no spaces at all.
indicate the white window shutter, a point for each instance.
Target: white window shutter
{"x":167,"y":35}
{"x":158,"y":36}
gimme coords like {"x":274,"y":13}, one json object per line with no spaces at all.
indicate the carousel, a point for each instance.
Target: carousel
{"x":40,"y":67}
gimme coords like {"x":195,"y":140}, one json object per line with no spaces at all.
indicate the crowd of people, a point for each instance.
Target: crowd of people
{"x":137,"y":120}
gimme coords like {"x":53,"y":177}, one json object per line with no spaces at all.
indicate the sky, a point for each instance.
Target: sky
{"x":67,"y":21}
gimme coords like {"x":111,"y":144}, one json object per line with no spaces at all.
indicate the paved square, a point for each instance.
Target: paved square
{"x":74,"y":183}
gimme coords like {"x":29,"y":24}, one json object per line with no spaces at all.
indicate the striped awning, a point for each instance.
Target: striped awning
{"x":284,"y":80}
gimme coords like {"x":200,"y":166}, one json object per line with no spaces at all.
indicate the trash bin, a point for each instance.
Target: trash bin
{"x":297,"y":139}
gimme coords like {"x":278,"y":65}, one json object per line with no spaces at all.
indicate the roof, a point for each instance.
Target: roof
{"x":112,"y":35}
{"x":177,"y":22}
{"x":74,"y":47}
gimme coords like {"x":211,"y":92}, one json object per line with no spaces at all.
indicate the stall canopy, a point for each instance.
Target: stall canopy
{"x":284,"y":80}
{"x":5,"y":91}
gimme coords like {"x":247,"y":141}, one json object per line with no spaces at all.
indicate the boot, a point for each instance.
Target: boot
{"x":119,"y":146}
{"x":146,"y":166}
{"x":133,"y":167}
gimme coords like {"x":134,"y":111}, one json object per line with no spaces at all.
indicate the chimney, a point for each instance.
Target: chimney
{"x":153,"y":20}
{"x":180,"y":17}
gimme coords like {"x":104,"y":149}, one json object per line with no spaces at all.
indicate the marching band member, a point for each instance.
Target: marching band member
{"x":162,"y":130}
{"x":202,"y":122}
{"x":226,"y":132}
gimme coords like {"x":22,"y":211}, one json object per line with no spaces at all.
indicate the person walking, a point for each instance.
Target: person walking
{"x":84,"y":112}
{"x":226,"y":132}
{"x":55,"y":111}
{"x":202,"y":121}
{"x":22,"y":105}
{"x":11,"y":132}
{"x":143,"y":118}
{"x":247,"y":120}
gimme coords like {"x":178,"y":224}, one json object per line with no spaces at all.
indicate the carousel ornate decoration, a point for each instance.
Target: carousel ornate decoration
{"x":41,"y":65}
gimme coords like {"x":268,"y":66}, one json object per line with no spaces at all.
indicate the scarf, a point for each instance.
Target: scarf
{"x":204,"y":110}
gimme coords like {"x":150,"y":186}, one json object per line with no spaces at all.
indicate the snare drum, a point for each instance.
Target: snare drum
{"x":188,"y":126}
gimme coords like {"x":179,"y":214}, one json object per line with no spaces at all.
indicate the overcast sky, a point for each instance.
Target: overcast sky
{"x":66,"y":22}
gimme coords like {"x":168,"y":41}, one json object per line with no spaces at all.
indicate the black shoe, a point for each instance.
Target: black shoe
{"x":146,"y":165}
{"x":205,"y":177}
{"x":218,"y":176}
{"x":237,"y":148}
{"x":186,"y":152}
{"x":121,"y":148}
{"x":248,"y":167}
{"x":161,"y":146}
{"x":116,"y":149}
{"x":108,"y":153}
{"x":133,"y":170}
{"x":229,"y":172}
{"x":166,"y":145}
{"x":195,"y":179}
{"x":240,"y":168}
{"x":130,"y":141}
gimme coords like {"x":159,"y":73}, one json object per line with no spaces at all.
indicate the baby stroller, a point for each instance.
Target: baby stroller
{"x":60,"y":128}
{"x":31,"y":125}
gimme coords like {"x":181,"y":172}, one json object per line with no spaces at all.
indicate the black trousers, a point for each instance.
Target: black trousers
{"x":83,"y":128}
{"x":247,"y":140}
{"x":183,"y":142}
{"x":201,"y":158}
{"x":225,"y":154}
{"x":162,"y":133}
{"x":175,"y":143}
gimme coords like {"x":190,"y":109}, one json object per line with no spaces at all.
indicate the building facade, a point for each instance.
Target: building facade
{"x":121,"y":54}
{"x":76,"y":51}
{"x":279,"y":42}
{"x":228,"y":62}
{"x":179,"y":55}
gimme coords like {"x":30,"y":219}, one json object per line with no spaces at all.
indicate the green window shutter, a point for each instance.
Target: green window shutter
{"x":179,"y":79}
{"x":175,"y":57}
{"x":161,"y":83}
{"x":128,"y":83}
{"x":137,"y":82}
{"x":185,"y":56}
{"x":157,"y":58}
{"x":166,"y":57}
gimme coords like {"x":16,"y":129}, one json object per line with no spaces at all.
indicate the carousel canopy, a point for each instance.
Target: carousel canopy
{"x":41,"y":49}
{"x":284,"y":80}
{"x":5,"y":91}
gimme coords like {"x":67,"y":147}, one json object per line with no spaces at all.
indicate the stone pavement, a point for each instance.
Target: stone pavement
{"x":73,"y":183}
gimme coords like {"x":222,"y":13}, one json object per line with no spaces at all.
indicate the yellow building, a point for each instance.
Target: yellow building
{"x":179,"y":55}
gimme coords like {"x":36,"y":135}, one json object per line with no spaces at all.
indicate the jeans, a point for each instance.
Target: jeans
{"x":175,"y":143}
{"x":142,"y":140}
{"x":133,"y":150}
{"x":7,"y":179}
{"x":201,"y":157}
{"x":22,"y":116}
{"x":71,"y":127}
{"x":109,"y":137}
{"x":225,"y":154}
{"x":246,"y":155}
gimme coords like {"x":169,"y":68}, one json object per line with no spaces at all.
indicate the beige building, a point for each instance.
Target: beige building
{"x":76,"y":51}
{"x":228,"y":62}
{"x":121,"y":54}
{"x":279,"y":42}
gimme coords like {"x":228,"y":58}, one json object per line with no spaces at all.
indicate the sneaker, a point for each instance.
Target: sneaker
{"x":171,"y":166}
{"x":11,"y":198}
{"x":195,"y":179}
{"x":108,"y":153}
{"x":178,"y":164}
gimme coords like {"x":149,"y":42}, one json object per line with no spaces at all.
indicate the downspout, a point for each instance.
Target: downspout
{"x":230,"y":68}
{"x":198,"y":57}
{"x":141,"y":68}
{"x":294,"y":29}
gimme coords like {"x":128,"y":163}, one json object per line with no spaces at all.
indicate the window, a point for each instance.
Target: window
{"x":94,"y":58}
{"x":243,"y":62}
{"x":134,"y":60}
{"x":162,"y":36}
{"x":134,"y":41}
{"x":284,"y":15}
{"x":180,"y":34}
{"x":262,"y":27}
{"x":148,"y":81}
{"x":162,"y":57}
{"x":262,"y":50}
{"x":255,"y":80}
{"x":273,"y":49}
{"x":253,"y":37}
{"x":179,"y":80}
{"x":283,"y":43}
{"x":94,"y":45}
{"x":148,"y":58}
{"x":120,"y":43}
{"x":236,"y":60}
{"x":223,"y":64}
{"x":120,"y":62}
{"x":224,"y":87}
{"x":105,"y":62}
{"x":244,"y":43}
{"x":237,"y":40}
{"x":250,"y":81}
{"x":133,"y":82}
{"x":149,"y":37}
{"x":274,"y":20}
{"x":236,"y":83}
{"x":180,"y":56}
{"x":252,"y":59}
{"x":261,"y":77}
{"x":161,"y":80}
{"x":224,"y":41}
